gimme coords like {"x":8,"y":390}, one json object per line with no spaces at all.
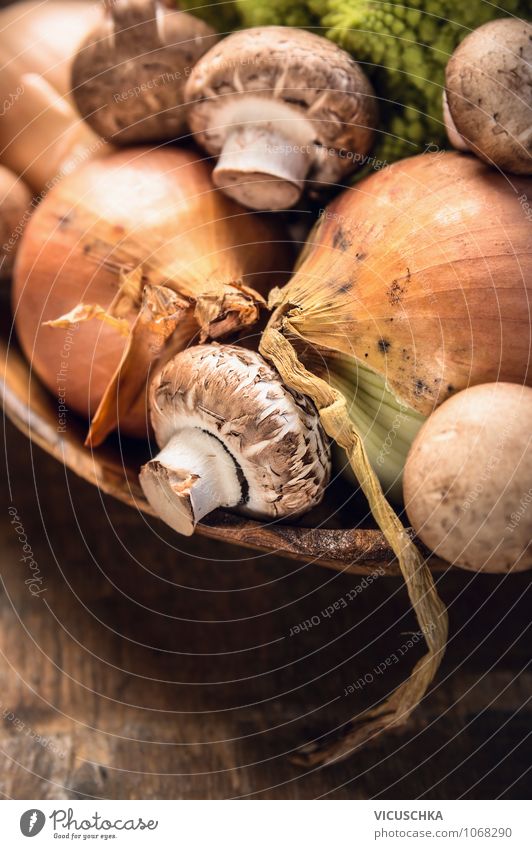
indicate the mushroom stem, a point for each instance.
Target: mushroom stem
{"x":262,"y":168}
{"x":193,"y":474}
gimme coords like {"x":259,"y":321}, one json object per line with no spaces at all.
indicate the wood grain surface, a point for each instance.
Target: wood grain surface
{"x":155,"y":667}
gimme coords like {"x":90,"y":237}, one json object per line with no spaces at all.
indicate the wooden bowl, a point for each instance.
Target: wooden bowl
{"x":338,"y":534}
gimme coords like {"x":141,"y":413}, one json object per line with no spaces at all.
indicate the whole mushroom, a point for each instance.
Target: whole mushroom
{"x":488,"y":95}
{"x":128,"y":77}
{"x":280,"y":106}
{"x":468,"y":479}
{"x":231,"y":435}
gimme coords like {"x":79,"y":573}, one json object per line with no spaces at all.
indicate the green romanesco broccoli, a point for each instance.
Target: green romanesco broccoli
{"x":223,"y":16}
{"x":403,"y":48}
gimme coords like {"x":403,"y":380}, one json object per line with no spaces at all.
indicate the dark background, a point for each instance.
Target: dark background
{"x":159,"y":667}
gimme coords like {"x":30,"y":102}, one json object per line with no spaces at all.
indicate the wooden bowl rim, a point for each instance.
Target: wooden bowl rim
{"x":359,"y":551}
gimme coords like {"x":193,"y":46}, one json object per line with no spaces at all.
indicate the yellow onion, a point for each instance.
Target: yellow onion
{"x":130,"y":258}
{"x":417,"y":282}
{"x":41,"y":134}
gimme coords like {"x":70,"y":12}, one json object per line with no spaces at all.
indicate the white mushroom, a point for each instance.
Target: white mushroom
{"x":280,"y":106}
{"x":129,"y":75}
{"x":468,"y":479}
{"x":231,"y":435}
{"x":487,"y":101}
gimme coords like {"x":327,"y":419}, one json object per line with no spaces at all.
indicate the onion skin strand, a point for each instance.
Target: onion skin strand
{"x":430,"y":610}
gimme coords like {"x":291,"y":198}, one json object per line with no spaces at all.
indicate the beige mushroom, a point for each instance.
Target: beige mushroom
{"x":488,"y":95}
{"x":231,"y":435}
{"x":128,"y":77}
{"x":15,"y":208}
{"x":468,"y":479}
{"x":281,"y":107}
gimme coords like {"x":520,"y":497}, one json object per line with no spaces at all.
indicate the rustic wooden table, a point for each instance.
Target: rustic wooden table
{"x":140,"y":665}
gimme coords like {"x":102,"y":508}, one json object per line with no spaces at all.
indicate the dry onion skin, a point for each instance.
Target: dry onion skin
{"x":468,"y":479}
{"x":42,"y":137}
{"x":423,"y":274}
{"x":131,"y":257}
{"x":15,"y":207}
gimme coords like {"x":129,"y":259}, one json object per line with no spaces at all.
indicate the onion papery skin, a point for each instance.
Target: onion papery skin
{"x":140,"y":208}
{"x":423,"y":273}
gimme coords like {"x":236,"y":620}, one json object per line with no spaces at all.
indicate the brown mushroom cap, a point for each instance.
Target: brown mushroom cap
{"x":468,"y":479}
{"x":488,"y":89}
{"x":225,"y":406}
{"x":129,"y":75}
{"x":306,"y":93}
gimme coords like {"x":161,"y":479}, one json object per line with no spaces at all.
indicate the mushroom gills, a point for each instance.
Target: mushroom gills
{"x":280,"y":106}
{"x":192,"y":475}
{"x":231,"y":435}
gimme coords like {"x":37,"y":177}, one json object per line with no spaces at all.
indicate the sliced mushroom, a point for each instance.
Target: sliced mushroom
{"x":280,"y":106}
{"x":232,"y":435}
{"x":488,"y":95}
{"x":129,"y":76}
